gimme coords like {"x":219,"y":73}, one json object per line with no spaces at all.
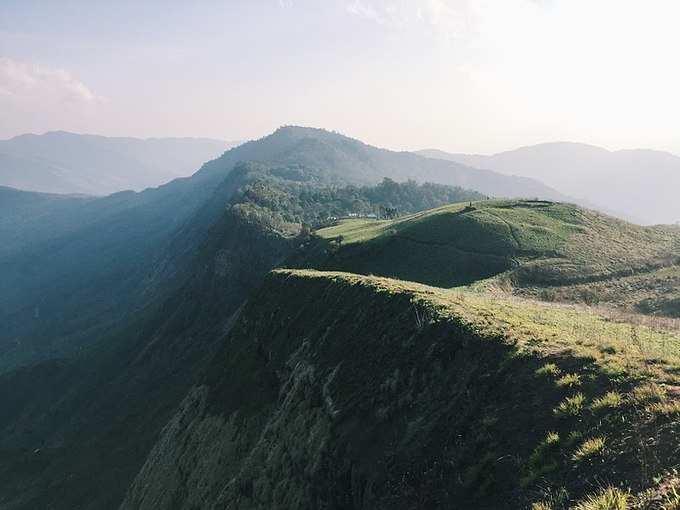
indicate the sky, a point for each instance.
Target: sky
{"x":458,"y":75}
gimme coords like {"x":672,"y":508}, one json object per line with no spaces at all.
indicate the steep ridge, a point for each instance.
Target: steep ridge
{"x":70,"y":426}
{"x":543,"y":249}
{"x":335,"y":390}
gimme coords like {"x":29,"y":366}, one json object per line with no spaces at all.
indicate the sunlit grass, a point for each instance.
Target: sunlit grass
{"x":609,"y":400}
{"x":548,"y":329}
{"x":549,"y":369}
{"x":571,"y":406}
{"x":589,"y":448}
{"x":569,"y":381}
{"x":611,"y":498}
{"x":595,"y":372}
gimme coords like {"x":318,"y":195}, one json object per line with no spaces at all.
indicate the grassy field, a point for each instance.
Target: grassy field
{"x":545,"y":250}
{"x":608,"y":430}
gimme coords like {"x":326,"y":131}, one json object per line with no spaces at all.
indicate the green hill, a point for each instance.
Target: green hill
{"x":539,"y":248}
{"x":336,"y":390}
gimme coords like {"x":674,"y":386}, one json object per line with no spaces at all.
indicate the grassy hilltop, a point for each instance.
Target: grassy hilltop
{"x":336,"y":390}
{"x":544,"y":249}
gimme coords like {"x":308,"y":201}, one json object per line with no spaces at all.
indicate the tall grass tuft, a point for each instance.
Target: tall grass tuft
{"x":611,"y":498}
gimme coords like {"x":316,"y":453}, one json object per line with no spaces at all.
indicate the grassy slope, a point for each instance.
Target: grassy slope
{"x":528,"y":245}
{"x":340,"y":390}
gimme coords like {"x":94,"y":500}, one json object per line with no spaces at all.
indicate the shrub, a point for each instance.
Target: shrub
{"x":672,"y":500}
{"x":540,"y":461}
{"x":552,"y":438}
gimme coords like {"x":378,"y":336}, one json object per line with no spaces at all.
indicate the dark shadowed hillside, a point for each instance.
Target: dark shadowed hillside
{"x":339,"y":391}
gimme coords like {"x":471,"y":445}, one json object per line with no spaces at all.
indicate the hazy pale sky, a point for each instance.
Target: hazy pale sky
{"x":460,"y":75}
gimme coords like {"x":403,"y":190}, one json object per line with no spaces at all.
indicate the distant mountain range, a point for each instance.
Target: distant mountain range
{"x":61,"y":162}
{"x":638,"y":184}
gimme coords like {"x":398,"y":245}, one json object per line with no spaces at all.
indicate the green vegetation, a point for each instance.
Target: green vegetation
{"x":456,"y":378}
{"x":132,"y":293}
{"x":549,"y":369}
{"x":334,"y":389}
{"x":285,"y":197}
{"x":329,"y":389}
{"x":611,"y":498}
{"x":569,"y":381}
{"x":538,"y":249}
{"x":609,"y":400}
{"x":589,"y":448}
{"x":571,"y":406}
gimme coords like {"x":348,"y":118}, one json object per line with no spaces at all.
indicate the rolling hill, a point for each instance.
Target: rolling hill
{"x":62,"y":162}
{"x":543,"y":249}
{"x":637,"y":184}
